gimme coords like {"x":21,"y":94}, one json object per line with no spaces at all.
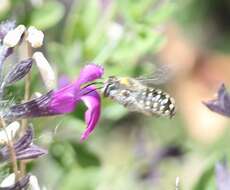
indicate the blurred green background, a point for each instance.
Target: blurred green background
{"x":129,"y":37}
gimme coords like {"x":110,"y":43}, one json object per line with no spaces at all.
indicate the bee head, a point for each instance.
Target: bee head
{"x":109,"y":85}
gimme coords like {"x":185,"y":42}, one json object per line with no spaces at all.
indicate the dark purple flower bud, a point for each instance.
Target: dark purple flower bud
{"x":19,"y":185}
{"x":6,"y":27}
{"x":24,"y":149}
{"x":18,"y":71}
{"x":221,"y":104}
{"x":222,"y":176}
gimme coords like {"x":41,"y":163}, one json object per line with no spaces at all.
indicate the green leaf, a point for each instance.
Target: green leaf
{"x":85,"y":157}
{"x":206,"y":181}
{"x":48,"y":15}
{"x":81,"y":179}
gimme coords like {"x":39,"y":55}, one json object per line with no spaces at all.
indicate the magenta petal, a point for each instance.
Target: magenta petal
{"x":92,"y":115}
{"x":64,"y":100}
{"x":89,"y":73}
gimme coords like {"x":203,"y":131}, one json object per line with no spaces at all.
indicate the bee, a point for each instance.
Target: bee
{"x":136,"y":96}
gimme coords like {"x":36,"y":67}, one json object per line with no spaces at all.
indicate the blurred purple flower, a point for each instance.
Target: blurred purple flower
{"x":5,"y":27}
{"x":24,"y":149}
{"x":105,"y":4}
{"x":64,"y":100}
{"x":221,"y":104}
{"x":222,"y":176}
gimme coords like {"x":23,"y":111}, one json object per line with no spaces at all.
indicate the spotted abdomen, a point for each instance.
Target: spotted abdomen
{"x":156,"y":102}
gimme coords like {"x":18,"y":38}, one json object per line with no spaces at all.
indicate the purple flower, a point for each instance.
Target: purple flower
{"x":20,"y":184}
{"x":5,"y":27}
{"x":222,"y":176}
{"x":221,"y":104}
{"x":24,"y":149}
{"x":65,"y":100}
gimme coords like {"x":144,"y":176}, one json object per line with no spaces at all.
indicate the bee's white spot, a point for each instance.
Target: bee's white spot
{"x":155,"y":105}
{"x":150,"y":95}
{"x":164,"y":101}
{"x":167,"y":112}
{"x":144,"y":94}
{"x":147,"y":107}
{"x":171,"y":106}
{"x":159,"y":91}
{"x":154,"y":109}
{"x":147,"y":103}
{"x":162,"y":108}
{"x":157,"y":97}
{"x":167,"y":96}
{"x":172,"y":100}
{"x":141,"y":101}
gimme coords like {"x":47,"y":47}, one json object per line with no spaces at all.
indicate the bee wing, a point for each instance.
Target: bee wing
{"x":162,"y":75}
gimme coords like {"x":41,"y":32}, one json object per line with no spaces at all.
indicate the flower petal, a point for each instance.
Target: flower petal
{"x":9,"y":182}
{"x":25,"y":141}
{"x":35,"y":37}
{"x":221,"y":104}
{"x":45,"y":69}
{"x":13,"y":37}
{"x":89,"y":73}
{"x":64,"y":100}
{"x":9,"y":132}
{"x":24,"y":149}
{"x":31,"y":152}
{"x":33,"y":183}
{"x":92,"y":115}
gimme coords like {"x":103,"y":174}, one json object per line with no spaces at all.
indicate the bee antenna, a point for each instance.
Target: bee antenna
{"x":92,"y":90}
{"x":97,"y":82}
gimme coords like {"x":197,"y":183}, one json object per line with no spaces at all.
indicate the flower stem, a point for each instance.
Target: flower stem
{"x":22,"y":164}
{"x":11,"y":151}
